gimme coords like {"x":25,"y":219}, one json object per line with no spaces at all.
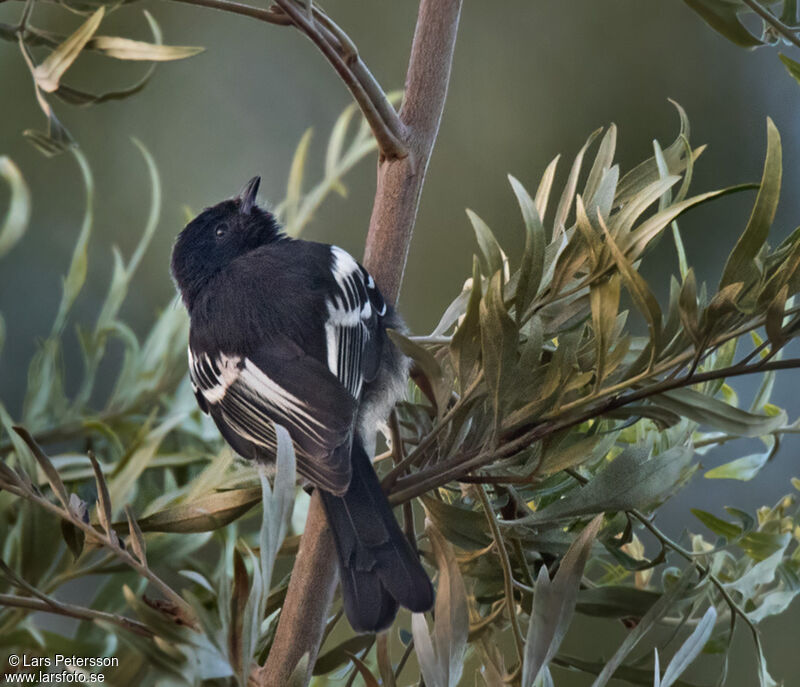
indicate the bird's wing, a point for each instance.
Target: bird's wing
{"x":280,"y":384}
{"x":354,"y":308}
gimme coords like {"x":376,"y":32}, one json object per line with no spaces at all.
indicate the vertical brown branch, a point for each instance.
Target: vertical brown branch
{"x":399,"y":187}
{"x":400,"y":180}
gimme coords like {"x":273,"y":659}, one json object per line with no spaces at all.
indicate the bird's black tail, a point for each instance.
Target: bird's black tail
{"x":379,"y":569}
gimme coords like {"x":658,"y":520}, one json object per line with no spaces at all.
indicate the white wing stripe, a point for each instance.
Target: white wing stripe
{"x":246,"y":390}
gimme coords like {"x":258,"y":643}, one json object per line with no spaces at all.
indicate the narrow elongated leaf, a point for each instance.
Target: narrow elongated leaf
{"x":709,"y":411}
{"x":294,"y":188}
{"x":47,"y":467}
{"x":740,"y":266}
{"x":532,"y":266}
{"x":604,"y":298}
{"x":452,"y":614}
{"x":204,"y":514}
{"x":723,"y":18}
{"x":545,"y":185}
{"x":632,"y":480}
{"x":428,"y":364}
{"x":568,"y":194}
{"x":746,"y":467}
{"x":491,"y":254}
{"x":602,"y":163}
{"x":791,"y":66}
{"x":647,"y":623}
{"x":554,"y":604}
{"x":104,"y":501}
{"x":340,"y":654}
{"x":19,"y":207}
{"x":49,"y":73}
{"x":136,"y":538}
{"x":640,"y":292}
{"x":127,"y":49}
{"x":441,"y":657}
{"x":76,"y":276}
{"x":690,"y":649}
{"x":498,"y":346}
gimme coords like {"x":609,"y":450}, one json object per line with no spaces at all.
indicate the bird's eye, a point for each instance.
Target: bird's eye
{"x":221,"y":230}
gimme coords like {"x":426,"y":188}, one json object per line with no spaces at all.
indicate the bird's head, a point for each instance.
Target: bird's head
{"x":219,"y":235}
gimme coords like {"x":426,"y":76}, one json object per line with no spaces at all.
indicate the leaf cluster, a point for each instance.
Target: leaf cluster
{"x":62,"y":52}
{"x":557,"y":404}
{"x":771,"y":26}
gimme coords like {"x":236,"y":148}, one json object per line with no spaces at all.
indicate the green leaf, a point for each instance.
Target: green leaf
{"x":294,"y":187}
{"x":740,"y":266}
{"x":647,"y":623}
{"x":366,"y":675}
{"x":747,"y":467}
{"x":639,"y":290}
{"x":49,"y":73}
{"x":204,"y":514}
{"x":104,"y":501}
{"x":428,"y":364}
{"x":718,"y":525}
{"x":127,"y":49}
{"x":604,"y":298}
{"x":791,"y":66}
{"x":554,"y":604}
{"x":339,"y":655}
{"x":532,"y":266}
{"x":74,"y":96}
{"x":47,"y":467}
{"x":463,"y":527}
{"x":498,"y":346}
{"x":19,"y":207}
{"x":568,"y":194}
{"x":723,"y":17}
{"x":441,"y":657}
{"x":712,"y":412}
{"x":690,"y":649}
{"x":632,"y":480}
{"x":545,"y":185}
{"x":136,"y":538}
{"x":491,"y":253}
{"x":76,"y":276}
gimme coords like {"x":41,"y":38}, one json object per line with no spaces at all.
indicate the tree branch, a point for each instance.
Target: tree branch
{"x":465,"y":462}
{"x":397,"y":197}
{"x":72,"y":611}
{"x":786,"y":31}
{"x":343,"y":56}
{"x":400,"y":181}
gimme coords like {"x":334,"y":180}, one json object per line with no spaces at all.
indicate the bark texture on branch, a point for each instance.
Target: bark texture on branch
{"x":400,"y":180}
{"x":314,"y":577}
{"x":305,"y":610}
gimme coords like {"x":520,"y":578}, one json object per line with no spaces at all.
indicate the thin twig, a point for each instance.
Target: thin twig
{"x":105,"y":540}
{"x":339,"y":50}
{"x":508,"y":573}
{"x":72,"y":611}
{"x":463,"y":463}
{"x":786,"y":31}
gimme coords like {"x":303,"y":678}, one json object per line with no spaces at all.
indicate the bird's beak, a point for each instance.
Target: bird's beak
{"x":247,"y":196}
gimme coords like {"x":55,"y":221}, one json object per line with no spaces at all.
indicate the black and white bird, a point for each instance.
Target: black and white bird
{"x":294,"y":332}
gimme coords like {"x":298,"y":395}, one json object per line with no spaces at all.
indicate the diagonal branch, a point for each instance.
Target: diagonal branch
{"x":341,"y":52}
{"x":72,"y":611}
{"x":465,"y":462}
{"x":786,"y":31}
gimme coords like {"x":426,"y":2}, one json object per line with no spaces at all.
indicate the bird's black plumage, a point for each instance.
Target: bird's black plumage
{"x":293,"y":332}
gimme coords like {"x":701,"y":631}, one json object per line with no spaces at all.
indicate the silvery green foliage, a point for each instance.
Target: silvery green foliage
{"x":735,"y":19}
{"x":541,"y":436}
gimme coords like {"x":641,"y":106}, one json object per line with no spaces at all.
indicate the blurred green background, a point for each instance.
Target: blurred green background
{"x":530,"y":80}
